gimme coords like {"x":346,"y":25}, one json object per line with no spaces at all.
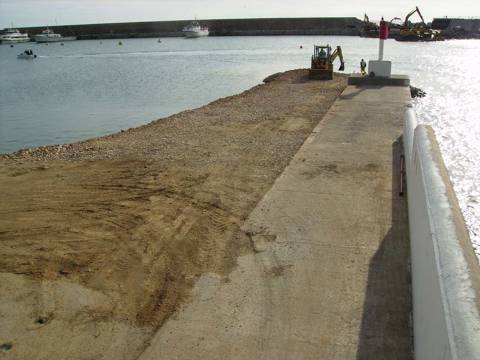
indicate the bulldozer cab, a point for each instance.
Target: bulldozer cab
{"x":321,"y":56}
{"x":322,"y":52}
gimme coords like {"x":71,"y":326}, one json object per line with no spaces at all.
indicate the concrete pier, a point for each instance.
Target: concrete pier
{"x":329,"y":274}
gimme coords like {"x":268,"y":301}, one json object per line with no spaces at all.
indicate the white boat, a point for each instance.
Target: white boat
{"x":195,"y":30}
{"x":27,"y":54}
{"x":12,"y":36}
{"x":48,"y":35}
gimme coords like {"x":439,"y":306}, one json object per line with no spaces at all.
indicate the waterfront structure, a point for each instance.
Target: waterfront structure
{"x":216,"y":27}
{"x":457,"y":28}
{"x":325,"y":267}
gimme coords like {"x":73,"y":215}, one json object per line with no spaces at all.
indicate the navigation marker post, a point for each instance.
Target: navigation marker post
{"x":380,"y":67}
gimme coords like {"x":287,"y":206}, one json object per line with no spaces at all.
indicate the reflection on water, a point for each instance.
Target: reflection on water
{"x":91,"y":88}
{"x":452,"y":81}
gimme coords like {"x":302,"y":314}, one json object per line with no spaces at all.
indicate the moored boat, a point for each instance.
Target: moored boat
{"x":49,"y":35}
{"x":13,"y":36}
{"x":195,"y":30}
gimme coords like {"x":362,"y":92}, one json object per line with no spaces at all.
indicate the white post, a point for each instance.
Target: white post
{"x":380,"y":67}
{"x":380,"y":50}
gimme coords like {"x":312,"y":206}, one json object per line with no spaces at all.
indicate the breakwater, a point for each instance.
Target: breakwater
{"x":330,"y":249}
{"x":154,"y":207}
{"x":457,"y":28}
{"x":218,"y":27}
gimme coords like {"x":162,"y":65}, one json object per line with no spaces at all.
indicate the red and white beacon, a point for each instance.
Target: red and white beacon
{"x":380,"y":67}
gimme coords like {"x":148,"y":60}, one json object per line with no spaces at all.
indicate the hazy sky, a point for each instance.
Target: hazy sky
{"x":43,"y":12}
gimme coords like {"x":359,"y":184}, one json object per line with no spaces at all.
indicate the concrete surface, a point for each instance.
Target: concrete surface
{"x":328,"y":276}
{"x":445,"y":271}
{"x":394,"y":80}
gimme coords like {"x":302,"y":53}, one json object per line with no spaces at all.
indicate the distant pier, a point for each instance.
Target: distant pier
{"x":350,"y":26}
{"x":218,"y":27}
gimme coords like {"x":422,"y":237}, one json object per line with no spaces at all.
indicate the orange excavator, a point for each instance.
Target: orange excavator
{"x":322,"y":62}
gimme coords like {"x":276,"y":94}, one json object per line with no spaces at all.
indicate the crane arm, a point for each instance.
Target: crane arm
{"x":420,"y":14}
{"x":417,"y":10}
{"x":408,"y":17}
{"x":338,"y":52}
{"x":395,"y":18}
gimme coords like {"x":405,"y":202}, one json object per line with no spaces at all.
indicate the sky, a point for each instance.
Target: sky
{"x":65,"y":12}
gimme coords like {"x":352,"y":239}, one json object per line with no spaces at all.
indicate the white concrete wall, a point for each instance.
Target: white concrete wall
{"x":445,"y":272}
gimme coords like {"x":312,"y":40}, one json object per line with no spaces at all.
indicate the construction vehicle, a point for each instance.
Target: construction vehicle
{"x":322,"y":62}
{"x":395,"y":26}
{"x":370,"y":29}
{"x":416,"y":32}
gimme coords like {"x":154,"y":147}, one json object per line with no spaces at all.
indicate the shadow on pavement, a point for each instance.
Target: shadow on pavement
{"x":386,"y":329}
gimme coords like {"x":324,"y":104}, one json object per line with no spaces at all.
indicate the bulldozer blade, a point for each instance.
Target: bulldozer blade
{"x":342,"y":67}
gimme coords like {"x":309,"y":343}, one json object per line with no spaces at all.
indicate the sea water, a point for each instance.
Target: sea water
{"x":91,"y":88}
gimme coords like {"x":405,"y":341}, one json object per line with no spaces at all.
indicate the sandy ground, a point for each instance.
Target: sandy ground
{"x":101,"y":241}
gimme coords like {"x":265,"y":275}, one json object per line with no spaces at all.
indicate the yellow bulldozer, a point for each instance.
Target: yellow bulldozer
{"x":322,"y":62}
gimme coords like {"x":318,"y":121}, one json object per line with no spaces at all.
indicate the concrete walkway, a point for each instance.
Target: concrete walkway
{"x":329,"y":276}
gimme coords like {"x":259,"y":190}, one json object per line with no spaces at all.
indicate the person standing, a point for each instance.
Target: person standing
{"x":363,"y":66}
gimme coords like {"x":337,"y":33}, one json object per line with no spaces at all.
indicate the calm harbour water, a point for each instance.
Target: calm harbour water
{"x":90,"y":88}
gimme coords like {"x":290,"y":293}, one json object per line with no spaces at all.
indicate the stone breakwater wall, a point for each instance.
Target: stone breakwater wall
{"x":218,"y":27}
{"x":455,"y":28}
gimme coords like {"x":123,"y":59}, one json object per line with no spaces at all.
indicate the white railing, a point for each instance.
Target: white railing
{"x":445,"y":271}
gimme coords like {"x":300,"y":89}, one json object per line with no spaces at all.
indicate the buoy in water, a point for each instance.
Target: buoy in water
{"x":301,"y":47}
{"x":61,"y":44}
{"x":159,"y":41}
{"x":119,"y":43}
{"x":11,"y":45}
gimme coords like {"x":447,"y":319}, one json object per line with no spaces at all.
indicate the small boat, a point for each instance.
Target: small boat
{"x":49,"y":35}
{"x":195,"y":30}
{"x":27,"y":54}
{"x":13,"y":36}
